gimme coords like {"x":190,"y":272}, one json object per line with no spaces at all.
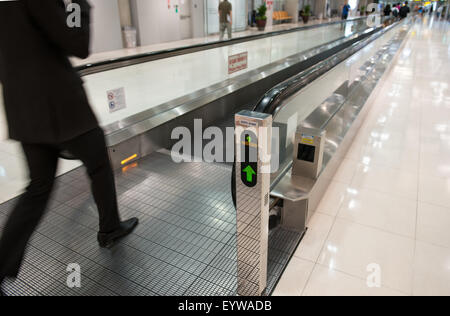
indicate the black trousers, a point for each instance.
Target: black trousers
{"x":42,"y":161}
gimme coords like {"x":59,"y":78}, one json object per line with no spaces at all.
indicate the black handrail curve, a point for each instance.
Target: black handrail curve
{"x":271,"y":101}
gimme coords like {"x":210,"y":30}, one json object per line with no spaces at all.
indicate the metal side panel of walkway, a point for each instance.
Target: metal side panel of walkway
{"x":185,"y":244}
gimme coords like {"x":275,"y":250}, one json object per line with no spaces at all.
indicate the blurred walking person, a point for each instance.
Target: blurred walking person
{"x":387,"y":10}
{"x":346,"y":10}
{"x":439,"y":11}
{"x":48,"y":112}
{"x":226,"y":19}
{"x":405,"y":10}
{"x":396,"y":11}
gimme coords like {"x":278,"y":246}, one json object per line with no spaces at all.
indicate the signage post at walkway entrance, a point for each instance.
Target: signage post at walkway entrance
{"x":253,"y":149}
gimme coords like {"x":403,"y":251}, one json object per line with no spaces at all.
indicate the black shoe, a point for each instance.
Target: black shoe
{"x":107,"y":240}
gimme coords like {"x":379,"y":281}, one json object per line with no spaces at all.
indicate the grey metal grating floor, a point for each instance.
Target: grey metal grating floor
{"x":185,"y":244}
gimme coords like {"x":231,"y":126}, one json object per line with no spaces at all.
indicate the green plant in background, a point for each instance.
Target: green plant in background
{"x":261,"y":15}
{"x":363,"y":9}
{"x":307,"y":10}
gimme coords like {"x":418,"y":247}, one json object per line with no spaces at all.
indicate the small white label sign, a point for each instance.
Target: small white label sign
{"x":116,"y":100}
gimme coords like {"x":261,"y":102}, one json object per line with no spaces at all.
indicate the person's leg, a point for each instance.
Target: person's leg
{"x":42,"y":163}
{"x":90,"y":148}
{"x":230,"y":29}
{"x":222,"y":31}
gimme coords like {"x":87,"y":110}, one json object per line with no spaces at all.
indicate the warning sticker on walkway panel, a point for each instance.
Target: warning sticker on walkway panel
{"x":307,"y":139}
{"x":237,"y":62}
{"x":116,"y":100}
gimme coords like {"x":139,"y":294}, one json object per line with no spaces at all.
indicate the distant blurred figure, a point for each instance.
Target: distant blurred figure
{"x":48,"y":112}
{"x":346,"y":10}
{"x":387,"y":10}
{"x":396,"y":10}
{"x":253,"y":18}
{"x":439,"y":11}
{"x":404,"y":11}
{"x":226,"y":19}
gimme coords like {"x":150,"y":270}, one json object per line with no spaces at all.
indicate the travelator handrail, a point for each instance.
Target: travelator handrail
{"x":146,"y":120}
{"x":121,"y":62}
{"x":127,"y":129}
{"x":273,"y":101}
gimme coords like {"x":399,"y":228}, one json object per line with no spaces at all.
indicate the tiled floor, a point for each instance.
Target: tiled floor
{"x":389,"y":204}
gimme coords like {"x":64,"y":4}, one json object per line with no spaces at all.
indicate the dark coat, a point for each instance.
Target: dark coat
{"x":44,"y":98}
{"x":404,"y":11}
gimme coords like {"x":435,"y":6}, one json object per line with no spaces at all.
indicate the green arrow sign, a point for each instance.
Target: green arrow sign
{"x":249,"y":164}
{"x":250,"y":173}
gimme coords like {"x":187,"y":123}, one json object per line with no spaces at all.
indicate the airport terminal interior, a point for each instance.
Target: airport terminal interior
{"x":345,"y":106}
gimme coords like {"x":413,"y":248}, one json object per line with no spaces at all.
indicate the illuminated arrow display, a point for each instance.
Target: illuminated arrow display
{"x":249,"y":162}
{"x":250,"y":173}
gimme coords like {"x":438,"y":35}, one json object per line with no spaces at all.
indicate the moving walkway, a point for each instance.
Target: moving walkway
{"x":187,"y":242}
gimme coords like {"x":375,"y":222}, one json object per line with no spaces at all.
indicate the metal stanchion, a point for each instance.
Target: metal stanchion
{"x":253,"y":147}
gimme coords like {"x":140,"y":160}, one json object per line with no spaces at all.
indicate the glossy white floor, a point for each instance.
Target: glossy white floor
{"x":389,"y":203}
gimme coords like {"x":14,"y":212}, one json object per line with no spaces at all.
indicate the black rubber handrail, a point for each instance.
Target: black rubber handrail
{"x":126,"y":61}
{"x":274,"y":98}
